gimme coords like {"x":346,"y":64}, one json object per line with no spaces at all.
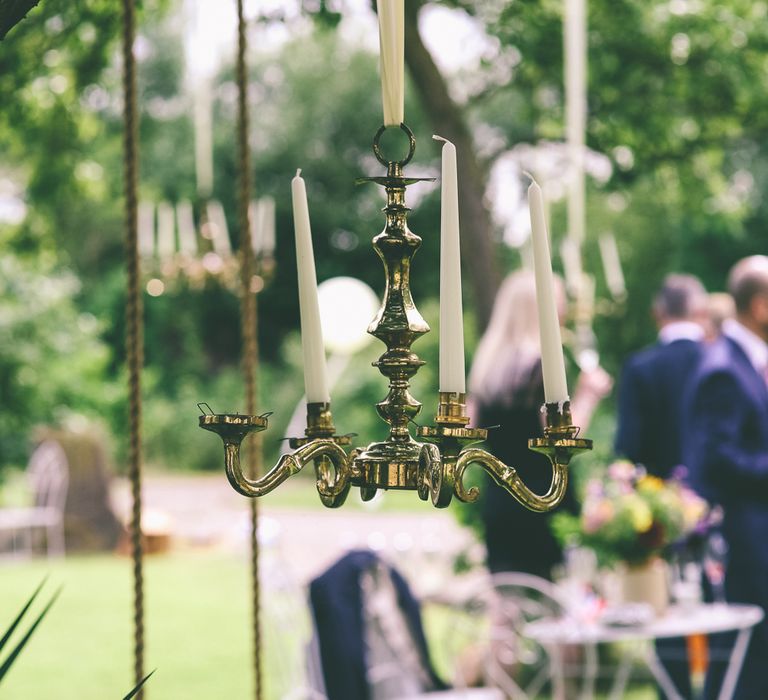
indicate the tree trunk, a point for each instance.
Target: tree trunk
{"x":448,"y":121}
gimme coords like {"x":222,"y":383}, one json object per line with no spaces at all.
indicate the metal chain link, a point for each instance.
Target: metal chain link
{"x":249,"y":312}
{"x":134,"y":331}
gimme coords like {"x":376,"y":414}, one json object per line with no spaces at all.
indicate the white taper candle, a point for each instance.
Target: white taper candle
{"x":575,"y":53}
{"x":268,"y":219}
{"x":315,"y":380}
{"x":217,"y":221}
{"x":254,"y":221}
{"x":452,"y":374}
{"x":392,"y":45}
{"x":185,"y":221}
{"x":614,"y":275}
{"x":571,"y":257}
{"x":202,"y":115}
{"x":552,"y":361}
{"x":166,"y":231}
{"x":146,"y":229}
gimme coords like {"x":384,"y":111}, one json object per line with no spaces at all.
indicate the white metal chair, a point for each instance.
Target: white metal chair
{"x":495,"y":613}
{"x":48,"y":475}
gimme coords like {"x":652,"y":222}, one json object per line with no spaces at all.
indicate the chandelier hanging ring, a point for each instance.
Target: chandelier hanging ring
{"x":377,"y":146}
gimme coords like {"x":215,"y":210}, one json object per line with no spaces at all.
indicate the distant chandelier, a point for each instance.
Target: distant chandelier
{"x":435,"y":464}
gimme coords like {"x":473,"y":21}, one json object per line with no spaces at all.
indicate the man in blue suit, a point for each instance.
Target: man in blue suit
{"x":726,"y":451}
{"x":653,"y":380}
{"x":650,"y":408}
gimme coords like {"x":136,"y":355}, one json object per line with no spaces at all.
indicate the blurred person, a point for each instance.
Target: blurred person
{"x":650,"y":409}
{"x":653,"y":380}
{"x":726,"y":451}
{"x":720,"y":307}
{"x":507,"y":389}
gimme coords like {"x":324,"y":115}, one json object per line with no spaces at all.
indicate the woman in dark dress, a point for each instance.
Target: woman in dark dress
{"x":507,"y":390}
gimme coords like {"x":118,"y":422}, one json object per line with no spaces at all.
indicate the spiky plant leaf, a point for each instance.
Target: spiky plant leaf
{"x":139,"y":686}
{"x":18,"y":648}
{"x":21,"y":614}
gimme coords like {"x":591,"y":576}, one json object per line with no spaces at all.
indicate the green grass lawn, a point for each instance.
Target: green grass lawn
{"x":197,"y":624}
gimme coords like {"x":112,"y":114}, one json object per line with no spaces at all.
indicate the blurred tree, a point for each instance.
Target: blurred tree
{"x":672,"y":102}
{"x":52,"y":363}
{"x":676,"y":103}
{"x":448,"y":119}
{"x":313,"y":109}
{"x":309,"y":96}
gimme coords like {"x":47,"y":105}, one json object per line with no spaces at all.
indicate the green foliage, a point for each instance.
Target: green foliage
{"x":139,"y":686}
{"x":318,"y":109}
{"x":53,"y":362}
{"x":674,"y":101}
{"x":171,"y":438}
{"x":22,"y":643}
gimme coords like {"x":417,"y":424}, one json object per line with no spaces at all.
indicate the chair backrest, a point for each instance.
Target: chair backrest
{"x":396,"y":665}
{"x":493,"y":615}
{"x":525,"y":597}
{"x":48,"y":474}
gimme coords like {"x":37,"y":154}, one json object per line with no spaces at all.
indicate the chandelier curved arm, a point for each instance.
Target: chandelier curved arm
{"x":322,"y":451}
{"x":508,"y":478}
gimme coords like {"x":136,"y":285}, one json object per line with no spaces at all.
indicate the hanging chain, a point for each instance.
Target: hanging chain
{"x":133,"y":333}
{"x":249,"y":322}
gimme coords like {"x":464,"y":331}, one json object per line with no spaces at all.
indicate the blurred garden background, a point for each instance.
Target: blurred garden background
{"x":678,"y":171}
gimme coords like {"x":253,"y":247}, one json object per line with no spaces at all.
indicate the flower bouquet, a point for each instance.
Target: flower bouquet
{"x":629,"y":516}
{"x":631,"y":520}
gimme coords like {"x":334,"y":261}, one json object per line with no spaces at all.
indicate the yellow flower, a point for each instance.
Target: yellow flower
{"x":650,"y":483}
{"x":640,"y":514}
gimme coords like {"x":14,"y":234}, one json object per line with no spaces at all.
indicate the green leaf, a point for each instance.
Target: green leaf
{"x":17,"y":650}
{"x":138,"y":687}
{"x":21,"y":614}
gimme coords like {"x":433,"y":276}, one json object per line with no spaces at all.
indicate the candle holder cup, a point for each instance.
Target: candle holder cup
{"x":435,"y":465}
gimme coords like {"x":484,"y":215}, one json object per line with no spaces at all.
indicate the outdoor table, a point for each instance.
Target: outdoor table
{"x":553,"y":633}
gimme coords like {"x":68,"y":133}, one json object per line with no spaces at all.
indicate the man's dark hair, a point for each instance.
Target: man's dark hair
{"x":680,"y":297}
{"x":748,"y":277}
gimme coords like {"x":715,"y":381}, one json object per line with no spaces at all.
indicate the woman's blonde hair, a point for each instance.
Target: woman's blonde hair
{"x":508,"y":352}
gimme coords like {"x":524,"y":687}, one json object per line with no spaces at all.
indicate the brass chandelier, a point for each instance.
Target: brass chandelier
{"x":434,"y":461}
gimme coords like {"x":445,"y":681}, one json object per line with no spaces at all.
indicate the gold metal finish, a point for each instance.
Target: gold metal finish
{"x":559,"y":444}
{"x":233,"y":424}
{"x":445,"y":442}
{"x":332,"y":489}
{"x":452,"y":409}
{"x":319,"y":425}
{"x":331,"y":462}
{"x":394,"y":463}
{"x":334,"y":477}
{"x":434,"y":466}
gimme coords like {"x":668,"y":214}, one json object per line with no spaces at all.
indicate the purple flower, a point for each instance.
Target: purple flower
{"x":680,"y":473}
